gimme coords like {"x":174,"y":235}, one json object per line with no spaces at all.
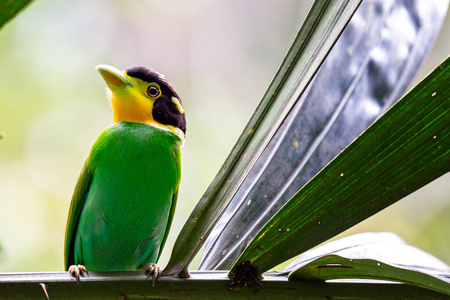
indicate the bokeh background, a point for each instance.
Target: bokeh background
{"x":220,"y":56}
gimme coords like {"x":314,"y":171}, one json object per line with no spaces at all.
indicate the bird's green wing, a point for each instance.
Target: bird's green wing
{"x":169,"y":222}
{"x":79,"y":196}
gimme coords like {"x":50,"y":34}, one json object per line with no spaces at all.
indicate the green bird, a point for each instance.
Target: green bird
{"x":124,"y":201}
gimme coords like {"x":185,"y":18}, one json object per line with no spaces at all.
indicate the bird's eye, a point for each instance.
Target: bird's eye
{"x":153,"y":91}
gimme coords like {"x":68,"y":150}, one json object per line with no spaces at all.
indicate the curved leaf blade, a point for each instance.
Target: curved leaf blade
{"x":337,"y":267}
{"x":382,"y":246}
{"x":408,"y":147}
{"x":320,"y":30}
{"x":367,"y":70}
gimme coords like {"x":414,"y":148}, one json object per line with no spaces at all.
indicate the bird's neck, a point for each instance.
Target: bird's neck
{"x":125,"y":110}
{"x":139,"y":111}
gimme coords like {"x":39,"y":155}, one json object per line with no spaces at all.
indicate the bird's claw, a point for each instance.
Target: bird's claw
{"x":153,"y":270}
{"x":77,"y":271}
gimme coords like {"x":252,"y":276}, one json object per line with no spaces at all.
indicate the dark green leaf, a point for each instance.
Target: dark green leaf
{"x":319,"y":32}
{"x":405,"y":149}
{"x":337,"y":267}
{"x":382,"y":246}
{"x":367,"y":71}
{"x":10,"y":8}
{"x":373,"y":255}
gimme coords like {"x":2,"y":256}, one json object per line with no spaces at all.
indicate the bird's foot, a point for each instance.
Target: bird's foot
{"x":77,"y":271}
{"x":153,"y":270}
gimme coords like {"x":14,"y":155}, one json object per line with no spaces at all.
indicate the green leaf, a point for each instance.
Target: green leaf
{"x":405,"y":149}
{"x":320,"y":30}
{"x":366,"y":72}
{"x":382,"y":246}
{"x":373,"y":255}
{"x":10,"y":8}
{"x":338,"y":267}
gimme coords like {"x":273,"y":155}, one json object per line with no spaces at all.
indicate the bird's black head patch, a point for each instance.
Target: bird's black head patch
{"x":165,"y":110}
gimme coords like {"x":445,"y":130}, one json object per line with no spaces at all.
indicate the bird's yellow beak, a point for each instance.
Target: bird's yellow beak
{"x":114,"y":78}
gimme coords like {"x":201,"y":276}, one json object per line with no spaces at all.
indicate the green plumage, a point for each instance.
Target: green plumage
{"x":124,"y":200}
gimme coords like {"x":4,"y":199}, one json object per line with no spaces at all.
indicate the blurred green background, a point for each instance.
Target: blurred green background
{"x":219,"y":55}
